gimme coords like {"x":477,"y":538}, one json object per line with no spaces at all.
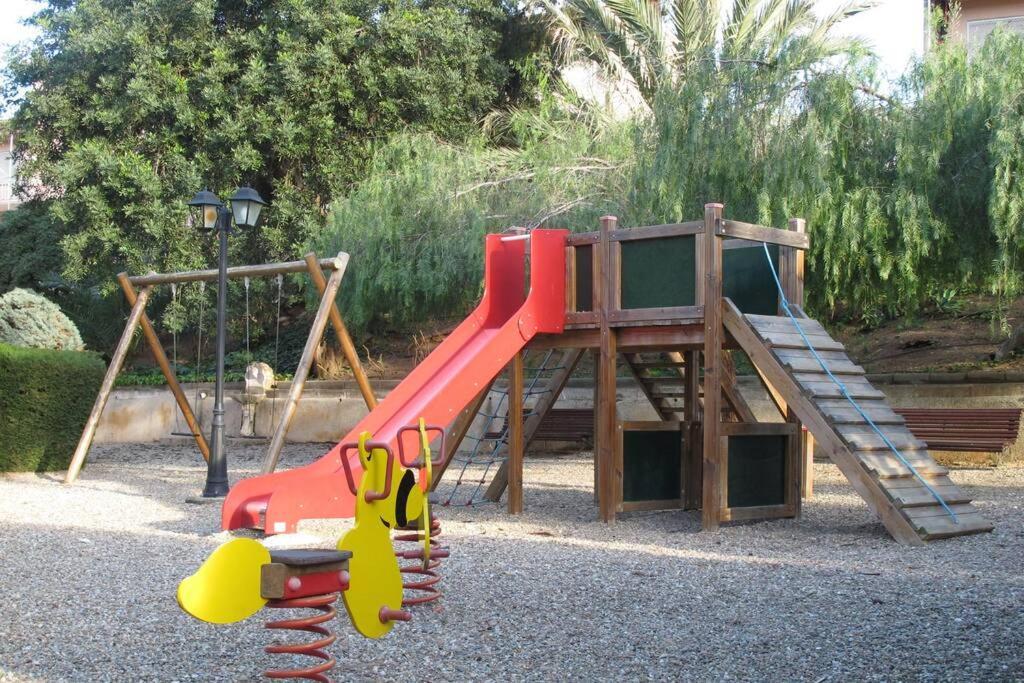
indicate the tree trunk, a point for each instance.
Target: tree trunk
{"x":1012,"y":345}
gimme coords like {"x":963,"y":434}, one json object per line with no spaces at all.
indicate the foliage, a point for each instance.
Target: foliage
{"x":909,"y":197}
{"x":414,"y":227}
{"x":30,"y":320}
{"x":126,"y":109}
{"x":45,"y":398}
{"x":656,"y":45}
{"x":30,"y":254}
{"x":904,"y":196}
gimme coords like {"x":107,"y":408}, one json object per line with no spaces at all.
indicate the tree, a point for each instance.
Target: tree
{"x":129,"y":108}
{"x":653,"y":44}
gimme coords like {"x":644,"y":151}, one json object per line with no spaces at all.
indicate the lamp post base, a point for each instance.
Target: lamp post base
{"x":204,"y":500}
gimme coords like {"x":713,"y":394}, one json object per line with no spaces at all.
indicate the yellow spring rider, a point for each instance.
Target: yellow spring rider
{"x":242,"y":576}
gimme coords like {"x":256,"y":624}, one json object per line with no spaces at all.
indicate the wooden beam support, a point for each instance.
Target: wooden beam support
{"x":731,"y":390}
{"x":714,"y":471}
{"x":165,"y":367}
{"x":234,"y":272}
{"x":316,"y":332}
{"x":692,"y":448}
{"x":760,"y":233}
{"x":342,"y":335}
{"x":116,"y":361}
{"x":807,"y":477}
{"x":605,"y":435}
{"x":515,"y":435}
{"x":791,"y":275}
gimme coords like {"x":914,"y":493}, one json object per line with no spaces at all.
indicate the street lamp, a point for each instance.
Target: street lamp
{"x":246,"y":204}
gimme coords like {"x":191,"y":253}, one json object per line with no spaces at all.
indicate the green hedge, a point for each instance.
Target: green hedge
{"x":45,"y":398}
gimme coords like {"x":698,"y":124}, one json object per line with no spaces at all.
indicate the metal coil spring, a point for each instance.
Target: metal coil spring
{"x":425,"y":589}
{"x":324,"y":605}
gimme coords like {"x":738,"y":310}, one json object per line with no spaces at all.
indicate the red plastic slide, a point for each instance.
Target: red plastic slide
{"x":437,"y":389}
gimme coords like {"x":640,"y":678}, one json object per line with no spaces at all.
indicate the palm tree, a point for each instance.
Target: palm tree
{"x":650,"y":43}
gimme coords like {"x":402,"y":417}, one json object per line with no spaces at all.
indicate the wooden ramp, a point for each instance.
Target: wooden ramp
{"x":906,"y":507}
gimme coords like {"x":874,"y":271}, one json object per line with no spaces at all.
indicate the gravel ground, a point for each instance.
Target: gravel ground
{"x":89,"y":574}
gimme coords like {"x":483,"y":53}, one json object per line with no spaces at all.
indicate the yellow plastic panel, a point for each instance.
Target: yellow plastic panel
{"x":226,"y":587}
{"x":375,"y":580}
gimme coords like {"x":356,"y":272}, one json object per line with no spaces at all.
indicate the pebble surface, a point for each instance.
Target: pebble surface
{"x":88,"y":574}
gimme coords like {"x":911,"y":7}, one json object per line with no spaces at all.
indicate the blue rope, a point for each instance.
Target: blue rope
{"x":846,"y":393}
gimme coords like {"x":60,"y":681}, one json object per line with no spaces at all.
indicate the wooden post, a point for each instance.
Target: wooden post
{"x":714,"y":470}
{"x":692,"y":418}
{"x":341,"y":333}
{"x":161,"y":360}
{"x":595,"y":361}
{"x":116,"y":361}
{"x":316,"y":332}
{"x":807,"y":476}
{"x":604,"y":437}
{"x":515,"y":435}
{"x":791,"y":274}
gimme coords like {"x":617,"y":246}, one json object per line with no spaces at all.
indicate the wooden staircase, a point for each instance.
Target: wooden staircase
{"x":662,"y":379}
{"x":906,"y":507}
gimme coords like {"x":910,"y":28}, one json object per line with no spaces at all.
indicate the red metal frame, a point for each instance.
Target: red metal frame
{"x":436,"y":390}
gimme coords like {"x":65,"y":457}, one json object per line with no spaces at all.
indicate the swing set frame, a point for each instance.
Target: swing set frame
{"x":138,"y":298}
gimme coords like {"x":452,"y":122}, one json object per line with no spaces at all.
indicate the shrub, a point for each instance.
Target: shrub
{"x":45,"y":398}
{"x":30,"y":320}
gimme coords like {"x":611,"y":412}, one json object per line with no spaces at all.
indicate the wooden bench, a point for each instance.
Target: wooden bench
{"x":560,"y":424}
{"x":985,"y":430}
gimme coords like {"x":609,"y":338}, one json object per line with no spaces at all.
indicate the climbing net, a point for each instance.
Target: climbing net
{"x":485,"y":446}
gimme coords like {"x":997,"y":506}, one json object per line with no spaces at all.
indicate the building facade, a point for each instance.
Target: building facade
{"x":978,"y":18}
{"x":8,"y":174}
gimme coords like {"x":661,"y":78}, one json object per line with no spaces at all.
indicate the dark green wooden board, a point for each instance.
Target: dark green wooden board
{"x":651,"y":463}
{"x":585,"y":278}
{"x":757,"y":470}
{"x":658,"y":272}
{"x":747,"y":279}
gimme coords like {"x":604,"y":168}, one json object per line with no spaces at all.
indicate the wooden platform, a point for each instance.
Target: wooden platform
{"x":910,"y":512}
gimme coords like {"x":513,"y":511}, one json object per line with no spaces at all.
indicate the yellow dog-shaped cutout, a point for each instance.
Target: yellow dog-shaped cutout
{"x":388,"y":497}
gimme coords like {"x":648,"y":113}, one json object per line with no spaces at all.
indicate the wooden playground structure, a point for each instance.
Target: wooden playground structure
{"x":327,"y":311}
{"x":670,"y":304}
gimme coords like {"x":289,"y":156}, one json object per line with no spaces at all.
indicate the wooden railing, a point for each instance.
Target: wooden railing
{"x":600,"y":254}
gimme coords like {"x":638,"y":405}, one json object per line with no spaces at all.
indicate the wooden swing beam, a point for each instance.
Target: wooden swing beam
{"x":328,"y":309}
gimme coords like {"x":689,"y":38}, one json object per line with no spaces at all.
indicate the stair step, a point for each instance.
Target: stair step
{"x":887,"y":466}
{"x":784,"y":340}
{"x":785,"y":325}
{"x":810,"y":364}
{"x":658,"y":364}
{"x":922,"y":497}
{"x":862,"y":437}
{"x":934,"y":528}
{"x":841,"y":411}
{"x":829,"y":389}
{"x":671,"y":381}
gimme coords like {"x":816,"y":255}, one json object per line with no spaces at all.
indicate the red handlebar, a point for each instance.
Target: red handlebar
{"x":417,"y":463}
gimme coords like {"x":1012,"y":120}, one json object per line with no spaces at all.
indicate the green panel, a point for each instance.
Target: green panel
{"x":585,"y":278}
{"x":748,"y":280}
{"x":658,"y":272}
{"x":757,"y":470}
{"x":651,"y":463}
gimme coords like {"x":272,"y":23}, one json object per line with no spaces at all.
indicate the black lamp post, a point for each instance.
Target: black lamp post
{"x":246,"y":204}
